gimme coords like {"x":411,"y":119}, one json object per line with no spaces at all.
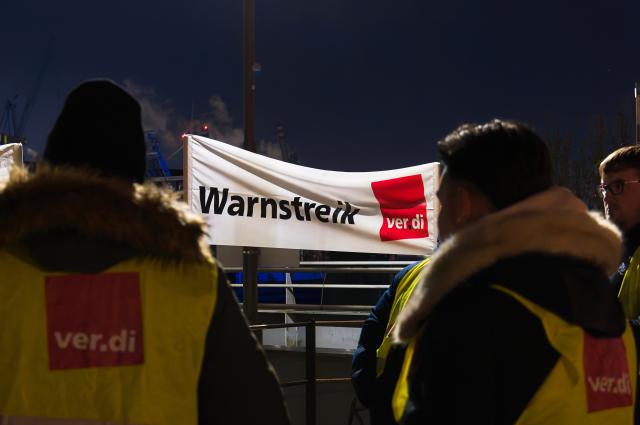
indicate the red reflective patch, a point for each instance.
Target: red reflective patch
{"x":94,"y":320}
{"x":403,"y":207}
{"x":606,"y":372}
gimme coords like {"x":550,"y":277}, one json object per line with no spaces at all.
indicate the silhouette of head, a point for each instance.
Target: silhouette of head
{"x":489,"y":167}
{"x":99,"y":128}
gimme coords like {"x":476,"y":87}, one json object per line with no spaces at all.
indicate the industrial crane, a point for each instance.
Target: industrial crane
{"x":12,"y":128}
{"x":157,"y":167}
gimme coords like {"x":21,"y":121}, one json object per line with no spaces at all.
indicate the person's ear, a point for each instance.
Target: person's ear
{"x":471,"y":205}
{"x":464,"y":205}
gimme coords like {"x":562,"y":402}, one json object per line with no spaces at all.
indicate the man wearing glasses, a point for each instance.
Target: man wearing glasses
{"x":620,"y":192}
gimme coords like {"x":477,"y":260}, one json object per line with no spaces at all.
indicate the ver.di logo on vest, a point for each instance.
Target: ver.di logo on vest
{"x":606,"y":371}
{"x":94,"y":320}
{"x":403,"y":206}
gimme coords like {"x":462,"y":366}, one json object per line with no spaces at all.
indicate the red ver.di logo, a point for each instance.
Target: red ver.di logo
{"x":606,"y":372}
{"x":94,"y":320}
{"x":403,"y":207}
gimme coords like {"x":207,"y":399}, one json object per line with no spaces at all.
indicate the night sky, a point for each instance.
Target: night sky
{"x":359,"y":85}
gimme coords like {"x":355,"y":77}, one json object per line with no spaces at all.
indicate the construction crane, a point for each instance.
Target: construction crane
{"x":282,"y":142}
{"x":8,"y":126}
{"x":288,"y":154}
{"x":12,"y":128}
{"x":157,"y":168}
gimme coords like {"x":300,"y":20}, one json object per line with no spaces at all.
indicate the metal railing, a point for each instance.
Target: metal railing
{"x":341,"y":267}
{"x":311,"y":380}
{"x":364,"y":270}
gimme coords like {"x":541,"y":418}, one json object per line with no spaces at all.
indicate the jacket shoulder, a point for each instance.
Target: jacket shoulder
{"x":148,"y":220}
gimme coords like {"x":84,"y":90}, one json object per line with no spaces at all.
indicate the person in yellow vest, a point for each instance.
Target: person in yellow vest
{"x":620,"y":192}
{"x":514,"y":320}
{"x":376,"y":363}
{"x":112,"y":309}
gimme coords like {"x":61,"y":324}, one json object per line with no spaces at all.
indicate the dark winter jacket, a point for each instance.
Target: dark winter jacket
{"x":483,"y":355}
{"x":73,"y":221}
{"x":375,"y":393}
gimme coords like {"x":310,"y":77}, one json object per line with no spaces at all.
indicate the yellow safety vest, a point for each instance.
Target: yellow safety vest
{"x":629,"y":293}
{"x":404,"y":290}
{"x":122,"y":346}
{"x":401,"y":392}
{"x":593,"y":382}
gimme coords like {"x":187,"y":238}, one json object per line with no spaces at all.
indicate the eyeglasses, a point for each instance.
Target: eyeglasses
{"x":615,"y":188}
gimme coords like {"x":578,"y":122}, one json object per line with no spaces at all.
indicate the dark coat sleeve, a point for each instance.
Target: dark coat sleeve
{"x":363,"y":365}
{"x":237,"y":383}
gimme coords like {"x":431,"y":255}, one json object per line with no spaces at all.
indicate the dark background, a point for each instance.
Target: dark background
{"x":359,"y":85}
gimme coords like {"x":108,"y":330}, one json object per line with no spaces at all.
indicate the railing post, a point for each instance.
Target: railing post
{"x":250,"y":257}
{"x":310,"y":350}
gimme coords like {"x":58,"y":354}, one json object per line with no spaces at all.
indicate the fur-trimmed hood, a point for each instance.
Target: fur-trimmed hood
{"x":553,"y":222}
{"x":144,"y":218}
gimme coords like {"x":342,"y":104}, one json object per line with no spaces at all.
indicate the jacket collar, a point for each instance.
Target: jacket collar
{"x":553,"y":222}
{"x":143,"y":218}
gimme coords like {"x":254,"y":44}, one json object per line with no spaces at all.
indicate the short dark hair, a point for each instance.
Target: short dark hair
{"x":99,"y":127}
{"x":620,"y":159}
{"x":505,"y":160}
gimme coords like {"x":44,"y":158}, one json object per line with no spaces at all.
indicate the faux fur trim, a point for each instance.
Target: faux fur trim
{"x":147,"y":218}
{"x":553,"y":222}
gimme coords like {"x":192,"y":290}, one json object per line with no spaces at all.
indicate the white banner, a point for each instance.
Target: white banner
{"x":252,"y":200}
{"x":10,"y":154}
